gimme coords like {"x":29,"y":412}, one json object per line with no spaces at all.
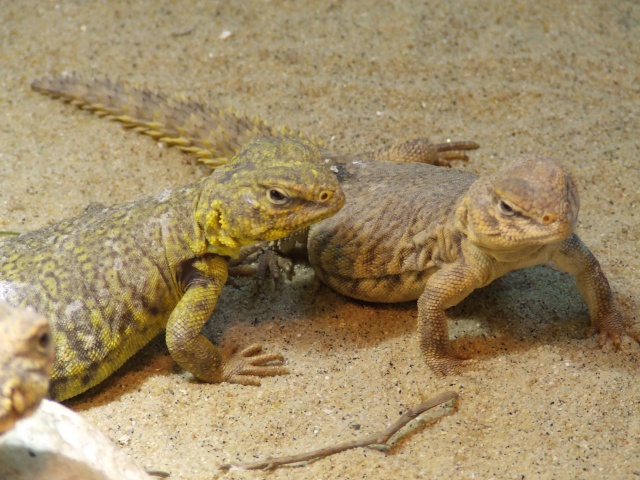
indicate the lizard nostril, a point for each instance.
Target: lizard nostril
{"x":548,"y":218}
{"x":324,"y":196}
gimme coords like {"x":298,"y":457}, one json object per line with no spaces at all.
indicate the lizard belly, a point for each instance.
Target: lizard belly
{"x":351,"y":261}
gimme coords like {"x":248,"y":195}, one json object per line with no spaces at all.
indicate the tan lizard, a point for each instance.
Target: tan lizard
{"x":26,"y":359}
{"x":112,"y":279}
{"x":407,"y":231}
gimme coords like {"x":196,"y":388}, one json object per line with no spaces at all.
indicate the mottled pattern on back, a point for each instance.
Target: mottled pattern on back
{"x":105,"y":278}
{"x":392,"y":239}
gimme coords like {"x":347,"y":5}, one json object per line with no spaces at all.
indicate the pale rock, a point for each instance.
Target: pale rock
{"x":57,"y":444}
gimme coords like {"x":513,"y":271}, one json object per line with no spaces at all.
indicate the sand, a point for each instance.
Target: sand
{"x":518,"y":77}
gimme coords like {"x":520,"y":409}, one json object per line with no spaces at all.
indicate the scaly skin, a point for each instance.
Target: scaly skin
{"x":175,"y":121}
{"x":385,"y":246}
{"x":212,"y":135}
{"x":26,"y":359}
{"x":408,"y":231}
{"x":112,"y":279}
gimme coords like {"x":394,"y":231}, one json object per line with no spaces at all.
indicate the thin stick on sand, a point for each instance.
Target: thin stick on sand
{"x":381,"y":440}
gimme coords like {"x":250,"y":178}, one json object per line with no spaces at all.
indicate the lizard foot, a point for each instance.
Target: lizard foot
{"x":421,"y":150}
{"x":448,"y":364}
{"x":246,"y":366}
{"x":611,"y":326}
{"x":271,"y":265}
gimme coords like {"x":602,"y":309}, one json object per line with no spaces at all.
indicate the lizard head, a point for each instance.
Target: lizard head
{"x":270,"y":189}
{"x":26,"y":360}
{"x":532,"y":202}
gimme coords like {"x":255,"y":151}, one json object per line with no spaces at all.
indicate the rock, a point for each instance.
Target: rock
{"x":57,"y":444}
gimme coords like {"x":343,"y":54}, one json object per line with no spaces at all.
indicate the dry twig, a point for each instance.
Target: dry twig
{"x":381,"y":440}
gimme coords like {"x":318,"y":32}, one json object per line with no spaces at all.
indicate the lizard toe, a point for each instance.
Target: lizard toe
{"x":246,"y":366}
{"x":265,"y":358}
{"x":251,"y":350}
{"x":612,"y":326}
{"x":243,"y":380}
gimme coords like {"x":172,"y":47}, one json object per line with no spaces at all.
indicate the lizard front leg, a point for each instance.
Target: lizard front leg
{"x":195,"y":353}
{"x":445,"y":288}
{"x":574,"y":257}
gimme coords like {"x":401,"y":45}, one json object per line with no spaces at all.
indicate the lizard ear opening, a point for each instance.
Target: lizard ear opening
{"x":325,"y":196}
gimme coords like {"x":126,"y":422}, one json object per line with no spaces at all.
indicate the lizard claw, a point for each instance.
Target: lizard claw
{"x":246,"y":366}
{"x":611,"y":326}
{"x":271,"y":265}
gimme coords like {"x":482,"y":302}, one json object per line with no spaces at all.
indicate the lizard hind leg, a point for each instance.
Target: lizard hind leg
{"x":421,"y":150}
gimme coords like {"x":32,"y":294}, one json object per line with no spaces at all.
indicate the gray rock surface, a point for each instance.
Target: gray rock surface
{"x":57,"y":444}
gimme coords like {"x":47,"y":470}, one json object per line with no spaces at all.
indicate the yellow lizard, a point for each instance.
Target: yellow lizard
{"x":112,"y":279}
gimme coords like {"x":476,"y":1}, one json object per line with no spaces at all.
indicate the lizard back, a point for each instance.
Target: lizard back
{"x":387,"y":240}
{"x":106,"y":288}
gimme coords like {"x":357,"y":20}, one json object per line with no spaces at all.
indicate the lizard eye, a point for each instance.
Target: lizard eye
{"x":506,"y":209}
{"x":44,"y":340}
{"x":277,"y":196}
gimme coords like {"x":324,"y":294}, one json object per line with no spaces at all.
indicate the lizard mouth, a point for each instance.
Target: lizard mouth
{"x":526,"y":234}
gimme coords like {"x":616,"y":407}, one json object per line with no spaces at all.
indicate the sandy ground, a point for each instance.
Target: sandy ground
{"x":516,"y":76}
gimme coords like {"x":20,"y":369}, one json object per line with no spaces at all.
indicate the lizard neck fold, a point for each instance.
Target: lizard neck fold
{"x":211,"y":232}
{"x":217,"y":234}
{"x":212,"y":236}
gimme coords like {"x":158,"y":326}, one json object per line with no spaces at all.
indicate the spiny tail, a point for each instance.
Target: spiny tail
{"x":211,"y":134}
